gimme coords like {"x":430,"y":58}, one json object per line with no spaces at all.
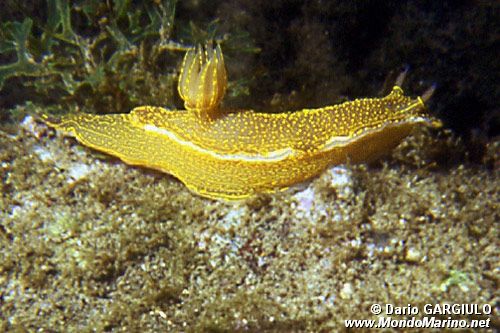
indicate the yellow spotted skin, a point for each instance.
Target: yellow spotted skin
{"x":235,"y":154}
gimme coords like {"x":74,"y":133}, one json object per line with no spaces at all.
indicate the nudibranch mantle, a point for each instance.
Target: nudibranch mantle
{"x":233,"y":154}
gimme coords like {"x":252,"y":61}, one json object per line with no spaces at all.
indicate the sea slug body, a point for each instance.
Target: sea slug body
{"x":233,"y":154}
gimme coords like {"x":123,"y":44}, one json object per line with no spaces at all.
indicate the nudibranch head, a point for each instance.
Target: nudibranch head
{"x":203,"y":80}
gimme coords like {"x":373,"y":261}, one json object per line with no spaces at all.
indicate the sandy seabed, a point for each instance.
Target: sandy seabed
{"x":91,"y":244}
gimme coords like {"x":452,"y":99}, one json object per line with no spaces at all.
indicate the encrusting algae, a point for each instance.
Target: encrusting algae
{"x":233,"y":154}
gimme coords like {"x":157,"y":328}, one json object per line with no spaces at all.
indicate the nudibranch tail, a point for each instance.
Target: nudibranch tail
{"x":203,"y":78}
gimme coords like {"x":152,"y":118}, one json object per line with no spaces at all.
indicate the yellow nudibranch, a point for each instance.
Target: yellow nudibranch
{"x":233,"y":154}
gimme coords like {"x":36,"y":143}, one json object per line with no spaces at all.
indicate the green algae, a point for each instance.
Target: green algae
{"x":79,"y":51}
{"x":456,"y":278}
{"x":102,"y":57}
